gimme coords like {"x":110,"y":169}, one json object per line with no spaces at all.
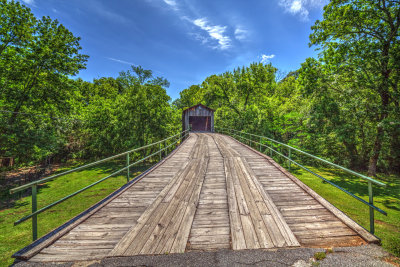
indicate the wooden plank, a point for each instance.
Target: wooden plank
{"x":34,"y":248}
{"x":124,"y":243}
{"x":299,"y":207}
{"x":337,"y":241}
{"x":304,"y":226}
{"x":166,"y":242}
{"x":221,"y":222}
{"x":249,"y":232}
{"x":298,"y":213}
{"x":210,"y":239}
{"x":367,"y":236}
{"x":264,"y":239}
{"x":238,"y":241}
{"x":278,"y":218}
{"x":208,"y":246}
{"x":158,"y":228}
{"x":204,"y":231}
{"x":310,"y":219}
{"x":182,"y":236}
{"x":320,"y":233}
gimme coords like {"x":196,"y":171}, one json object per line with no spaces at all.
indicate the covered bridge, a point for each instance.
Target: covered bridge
{"x":199,"y":117}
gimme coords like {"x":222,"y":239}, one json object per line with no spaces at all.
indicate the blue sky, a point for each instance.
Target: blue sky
{"x":186,"y":40}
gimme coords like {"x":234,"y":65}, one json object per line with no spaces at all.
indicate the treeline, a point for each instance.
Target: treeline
{"x":343,"y":106}
{"x":45,"y":116}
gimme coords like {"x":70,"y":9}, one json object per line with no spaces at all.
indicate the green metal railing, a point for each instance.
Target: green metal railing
{"x":162,"y":147}
{"x":272,"y":149}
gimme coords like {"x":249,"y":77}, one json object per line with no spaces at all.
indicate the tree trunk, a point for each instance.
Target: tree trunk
{"x":353,"y":155}
{"x":375,"y":152}
{"x":384,"y":94}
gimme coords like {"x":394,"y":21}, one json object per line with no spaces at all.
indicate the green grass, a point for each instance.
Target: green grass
{"x":319,"y":256}
{"x":13,"y":238}
{"x":387,"y":228}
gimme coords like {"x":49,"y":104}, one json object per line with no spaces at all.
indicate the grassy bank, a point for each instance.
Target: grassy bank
{"x":13,"y":238}
{"x":386,"y":227}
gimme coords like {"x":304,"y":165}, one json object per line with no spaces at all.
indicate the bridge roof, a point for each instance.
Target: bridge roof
{"x":195,"y":106}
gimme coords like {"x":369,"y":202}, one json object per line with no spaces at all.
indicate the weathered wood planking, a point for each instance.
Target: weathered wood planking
{"x":212,"y":193}
{"x":301,"y":207}
{"x":210,"y":229}
{"x":256,"y":221}
{"x":165,"y":225}
{"x":111,"y":222}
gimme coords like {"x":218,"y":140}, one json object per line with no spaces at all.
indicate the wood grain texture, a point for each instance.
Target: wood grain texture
{"x":212,"y":193}
{"x":272,"y":172}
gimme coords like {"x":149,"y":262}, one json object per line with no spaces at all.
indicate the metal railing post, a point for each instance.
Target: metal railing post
{"x":127,"y":168}
{"x":34,"y":208}
{"x":289,"y":160}
{"x":260,"y":144}
{"x":159,"y":146}
{"x":270,"y":151}
{"x":371,"y":210}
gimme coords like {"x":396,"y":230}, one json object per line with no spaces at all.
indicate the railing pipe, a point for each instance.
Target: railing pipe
{"x":22,"y":187}
{"x":320,"y":159}
{"x":33,"y":185}
{"x":372,"y":207}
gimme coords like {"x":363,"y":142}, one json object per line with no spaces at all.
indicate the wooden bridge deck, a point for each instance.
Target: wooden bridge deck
{"x":211,"y":193}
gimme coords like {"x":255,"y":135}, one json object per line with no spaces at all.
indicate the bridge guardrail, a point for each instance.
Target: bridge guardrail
{"x":370,"y":203}
{"x":33,"y":185}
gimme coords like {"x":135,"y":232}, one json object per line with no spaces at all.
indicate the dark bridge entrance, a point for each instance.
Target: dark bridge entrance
{"x":200,"y":123}
{"x":200,"y":118}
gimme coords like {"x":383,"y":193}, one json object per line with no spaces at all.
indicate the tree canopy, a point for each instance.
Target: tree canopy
{"x":342,"y":105}
{"x":46,"y":115}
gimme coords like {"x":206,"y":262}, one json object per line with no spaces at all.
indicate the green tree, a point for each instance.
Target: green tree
{"x":36,"y":58}
{"x":361,"y":37}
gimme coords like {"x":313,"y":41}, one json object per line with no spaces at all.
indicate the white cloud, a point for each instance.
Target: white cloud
{"x":170,"y":2}
{"x":29,"y":2}
{"x":301,"y":7}
{"x":120,"y":61}
{"x":241,"y":34}
{"x":266,"y":58}
{"x":216,"y":32}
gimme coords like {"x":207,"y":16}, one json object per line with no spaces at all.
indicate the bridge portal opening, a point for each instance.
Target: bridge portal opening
{"x":200,"y":123}
{"x":200,"y":118}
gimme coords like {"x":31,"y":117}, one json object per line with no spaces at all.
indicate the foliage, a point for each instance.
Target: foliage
{"x":360,"y":43}
{"x":36,"y":58}
{"x":343,"y":106}
{"x":320,"y":256}
{"x":129,"y":111}
{"x":46,"y":116}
